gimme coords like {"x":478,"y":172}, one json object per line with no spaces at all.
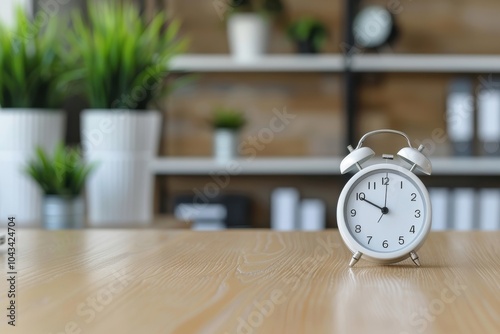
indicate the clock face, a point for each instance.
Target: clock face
{"x":386,"y":211}
{"x":372,"y":26}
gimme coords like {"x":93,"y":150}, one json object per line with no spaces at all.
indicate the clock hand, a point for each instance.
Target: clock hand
{"x":385,"y":209}
{"x":386,"y":186}
{"x":375,"y":205}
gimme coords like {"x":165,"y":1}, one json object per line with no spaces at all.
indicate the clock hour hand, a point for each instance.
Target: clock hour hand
{"x":367,"y":201}
{"x":384,"y":210}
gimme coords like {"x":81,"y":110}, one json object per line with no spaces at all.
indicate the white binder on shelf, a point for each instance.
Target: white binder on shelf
{"x":488,"y":121}
{"x":489,"y":209}
{"x":285,"y":209}
{"x":312,"y":215}
{"x":464,"y":202}
{"x":440,"y":200}
{"x":460,"y":116}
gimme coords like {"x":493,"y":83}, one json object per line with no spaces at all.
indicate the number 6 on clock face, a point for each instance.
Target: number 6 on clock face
{"x":384,"y":212}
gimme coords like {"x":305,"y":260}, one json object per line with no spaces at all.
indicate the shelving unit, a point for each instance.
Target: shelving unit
{"x":350,"y":67}
{"x":333,"y":64}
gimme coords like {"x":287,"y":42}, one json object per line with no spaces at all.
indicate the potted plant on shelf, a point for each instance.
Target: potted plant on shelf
{"x":248,"y":27}
{"x":62,"y":178}
{"x":308,"y":34}
{"x":227,"y":123}
{"x":33,"y":77}
{"x":124,"y":61}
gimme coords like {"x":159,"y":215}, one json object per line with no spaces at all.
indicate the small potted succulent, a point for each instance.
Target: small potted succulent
{"x":248,"y":27}
{"x":308,"y":34}
{"x":61,"y":178}
{"x":227,"y":124}
{"x":33,"y":84}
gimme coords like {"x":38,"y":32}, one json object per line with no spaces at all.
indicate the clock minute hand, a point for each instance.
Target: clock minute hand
{"x":386,"y":186}
{"x":385,"y":210}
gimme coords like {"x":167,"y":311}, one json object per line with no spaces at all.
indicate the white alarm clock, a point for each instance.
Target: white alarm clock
{"x":384,"y":210}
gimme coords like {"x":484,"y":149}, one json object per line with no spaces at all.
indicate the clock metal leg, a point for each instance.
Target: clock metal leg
{"x":414,"y":258}
{"x":355,"y":258}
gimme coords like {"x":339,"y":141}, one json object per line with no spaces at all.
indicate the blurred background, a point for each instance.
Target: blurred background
{"x":269,"y":95}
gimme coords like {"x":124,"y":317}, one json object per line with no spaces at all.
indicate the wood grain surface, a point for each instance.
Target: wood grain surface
{"x":259,"y":281}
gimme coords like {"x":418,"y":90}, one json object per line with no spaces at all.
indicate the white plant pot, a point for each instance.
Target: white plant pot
{"x":21,"y":131}
{"x":248,"y":36}
{"x":225,"y":144}
{"x":123,"y":143}
{"x":61,"y":213}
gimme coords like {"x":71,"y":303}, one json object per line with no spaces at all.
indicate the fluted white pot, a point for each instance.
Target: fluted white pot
{"x":21,"y":131}
{"x":248,"y":35}
{"x":123,"y":143}
{"x":63,"y":212}
{"x":225,"y":144}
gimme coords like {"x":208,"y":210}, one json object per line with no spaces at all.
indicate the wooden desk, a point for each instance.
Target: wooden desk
{"x":158,"y":222}
{"x":159,"y":281}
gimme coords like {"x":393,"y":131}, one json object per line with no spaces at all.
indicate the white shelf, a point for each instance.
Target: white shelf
{"x":309,"y":166}
{"x":466,"y":166}
{"x":426,"y":63}
{"x":268,"y":63}
{"x":336,"y":63}
{"x":260,"y":166}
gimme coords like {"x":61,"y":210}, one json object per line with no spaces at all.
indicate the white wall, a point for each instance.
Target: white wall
{"x":7,"y":8}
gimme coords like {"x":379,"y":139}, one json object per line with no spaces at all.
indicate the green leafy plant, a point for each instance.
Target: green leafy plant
{"x":268,"y":7}
{"x":310,"y":32}
{"x":123,"y":59}
{"x":62,"y":174}
{"x":226,"y":118}
{"x":33,"y":70}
